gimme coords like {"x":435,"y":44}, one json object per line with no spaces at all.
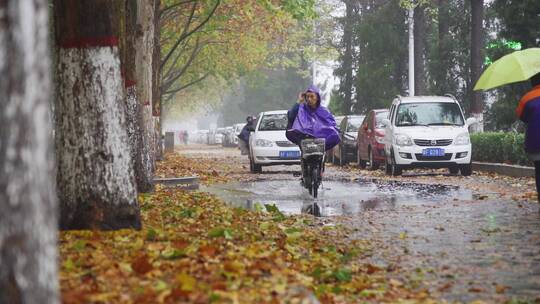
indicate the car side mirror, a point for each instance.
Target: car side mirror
{"x":471,"y":121}
{"x":385,"y":122}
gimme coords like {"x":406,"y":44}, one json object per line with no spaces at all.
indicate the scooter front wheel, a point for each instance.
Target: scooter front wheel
{"x":314,"y":181}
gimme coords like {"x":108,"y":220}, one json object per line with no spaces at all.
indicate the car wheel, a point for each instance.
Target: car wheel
{"x":361,"y":162}
{"x":373,"y":165}
{"x":466,"y":170}
{"x":396,"y":170}
{"x":387,"y":166}
{"x":251,"y":165}
{"x":342,"y":160}
{"x":453,"y":170}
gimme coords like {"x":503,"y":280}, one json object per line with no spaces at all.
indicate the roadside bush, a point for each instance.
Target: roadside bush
{"x":499,"y":147}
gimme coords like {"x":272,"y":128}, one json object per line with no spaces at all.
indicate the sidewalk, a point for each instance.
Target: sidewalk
{"x":504,"y":169}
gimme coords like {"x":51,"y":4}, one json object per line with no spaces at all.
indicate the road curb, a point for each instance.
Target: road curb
{"x":504,"y":169}
{"x":186,"y":183}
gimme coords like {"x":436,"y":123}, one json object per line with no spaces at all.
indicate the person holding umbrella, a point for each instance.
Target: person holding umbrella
{"x":528,"y":111}
{"x":514,"y":67}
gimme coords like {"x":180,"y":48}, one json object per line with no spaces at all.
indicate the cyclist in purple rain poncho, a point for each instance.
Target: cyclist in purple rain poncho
{"x":309,"y":119}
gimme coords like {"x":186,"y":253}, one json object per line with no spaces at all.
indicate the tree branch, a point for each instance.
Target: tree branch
{"x":187,"y":85}
{"x":164,"y":10}
{"x":186,"y":27}
{"x":169,"y":82}
{"x":184,"y":35}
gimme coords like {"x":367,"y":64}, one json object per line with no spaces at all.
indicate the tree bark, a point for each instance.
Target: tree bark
{"x":144,"y":56}
{"x":28,"y":217}
{"x":156,"y":82}
{"x":419,"y":50}
{"x":131,"y":63}
{"x":477,"y":43}
{"x":95,"y":179}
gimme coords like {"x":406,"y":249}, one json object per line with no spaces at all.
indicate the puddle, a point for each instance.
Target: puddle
{"x":336,"y":197}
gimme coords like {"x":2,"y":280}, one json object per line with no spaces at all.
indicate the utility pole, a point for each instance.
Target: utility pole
{"x":411,"y":51}
{"x":313,"y":71}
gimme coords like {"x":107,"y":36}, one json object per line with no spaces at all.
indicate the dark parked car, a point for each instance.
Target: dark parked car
{"x":330,"y":153}
{"x":370,"y":152}
{"x":348,"y":130}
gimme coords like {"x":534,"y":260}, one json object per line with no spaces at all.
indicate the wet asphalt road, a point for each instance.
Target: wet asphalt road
{"x":466,"y":238}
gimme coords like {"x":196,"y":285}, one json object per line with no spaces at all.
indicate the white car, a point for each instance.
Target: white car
{"x":427,"y":131}
{"x":268,"y":144}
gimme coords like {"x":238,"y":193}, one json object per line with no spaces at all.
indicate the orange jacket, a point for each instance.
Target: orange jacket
{"x":532,"y":94}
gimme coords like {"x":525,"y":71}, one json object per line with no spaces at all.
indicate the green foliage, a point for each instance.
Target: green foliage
{"x":501,"y":114}
{"x":515,"y":23}
{"x":238,"y":38}
{"x":499,"y":147}
{"x":382,"y":57}
{"x":335,"y":105}
{"x":519,"y":21}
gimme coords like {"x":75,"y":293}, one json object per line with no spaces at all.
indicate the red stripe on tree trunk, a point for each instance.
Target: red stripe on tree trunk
{"x":88,"y":42}
{"x":129,"y":83}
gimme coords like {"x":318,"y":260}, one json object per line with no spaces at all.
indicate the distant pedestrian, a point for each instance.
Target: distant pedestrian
{"x":243,"y":137}
{"x":528,"y":111}
{"x":186,"y":137}
{"x":181,"y":136}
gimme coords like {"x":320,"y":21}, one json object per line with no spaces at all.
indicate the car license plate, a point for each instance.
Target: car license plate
{"x":289,"y":154}
{"x":433,"y":152}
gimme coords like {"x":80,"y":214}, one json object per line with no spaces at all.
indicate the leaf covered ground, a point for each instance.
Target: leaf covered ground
{"x":195,"y":248}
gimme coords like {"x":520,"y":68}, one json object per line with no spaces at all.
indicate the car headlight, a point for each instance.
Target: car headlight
{"x":403,"y":140}
{"x":263,"y":143}
{"x":462,"y":139}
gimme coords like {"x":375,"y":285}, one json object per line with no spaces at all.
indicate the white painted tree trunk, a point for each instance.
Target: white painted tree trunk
{"x":144,"y":55}
{"x":28,"y":205}
{"x":478,"y":127}
{"x":96,"y":179}
{"x":133,"y":123}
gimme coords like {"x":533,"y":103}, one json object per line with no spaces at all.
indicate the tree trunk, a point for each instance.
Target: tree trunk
{"x":347,"y":58}
{"x":477,"y":43}
{"x":441,"y":71}
{"x":28,"y":216}
{"x":96,"y":182}
{"x":144,"y":56}
{"x":419,"y":50}
{"x":156,"y":82}
{"x":127,"y":29}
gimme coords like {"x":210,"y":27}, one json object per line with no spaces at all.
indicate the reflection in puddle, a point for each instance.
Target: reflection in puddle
{"x":336,"y":197}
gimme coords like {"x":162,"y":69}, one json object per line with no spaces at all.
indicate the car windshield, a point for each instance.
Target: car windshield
{"x":273,"y":122}
{"x":379,"y":118}
{"x":354,"y":123}
{"x":429,"y":114}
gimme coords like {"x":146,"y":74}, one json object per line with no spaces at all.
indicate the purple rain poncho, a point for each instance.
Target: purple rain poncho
{"x":318,"y":123}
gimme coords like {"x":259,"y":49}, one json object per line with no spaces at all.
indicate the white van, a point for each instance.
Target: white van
{"x":427,"y":131}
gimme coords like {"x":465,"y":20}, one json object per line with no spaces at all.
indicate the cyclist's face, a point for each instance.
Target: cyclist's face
{"x":311,"y":99}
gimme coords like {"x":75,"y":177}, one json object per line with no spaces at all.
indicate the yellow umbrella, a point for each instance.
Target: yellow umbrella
{"x":514,"y":67}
